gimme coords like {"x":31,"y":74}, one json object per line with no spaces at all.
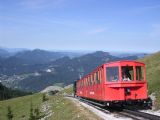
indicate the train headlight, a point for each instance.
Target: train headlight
{"x":127,"y":91}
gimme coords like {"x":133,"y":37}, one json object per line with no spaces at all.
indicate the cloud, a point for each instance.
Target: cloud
{"x":96,"y":31}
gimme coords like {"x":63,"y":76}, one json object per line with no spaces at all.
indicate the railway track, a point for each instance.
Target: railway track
{"x":142,"y":114}
{"x":134,"y":114}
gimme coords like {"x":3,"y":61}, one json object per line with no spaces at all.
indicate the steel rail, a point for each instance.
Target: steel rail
{"x":142,"y":114}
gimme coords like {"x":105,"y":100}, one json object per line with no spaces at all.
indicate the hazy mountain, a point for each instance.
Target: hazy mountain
{"x":13,"y":50}
{"x":64,"y":70}
{"x":4,"y":53}
{"x":122,"y":55}
{"x":38,"y":56}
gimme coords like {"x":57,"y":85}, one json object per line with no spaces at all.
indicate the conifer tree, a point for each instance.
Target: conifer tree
{"x":31,"y":116}
{"x":9,"y":114}
{"x":44,"y":97}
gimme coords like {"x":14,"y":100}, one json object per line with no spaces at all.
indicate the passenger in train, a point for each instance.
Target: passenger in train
{"x":126,"y":75}
{"x":125,"y":78}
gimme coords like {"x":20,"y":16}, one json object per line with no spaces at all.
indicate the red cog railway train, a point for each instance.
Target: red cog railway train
{"x":115,"y":83}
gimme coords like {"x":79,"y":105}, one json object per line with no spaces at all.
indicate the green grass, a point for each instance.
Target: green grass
{"x":20,"y":106}
{"x":65,"y":109}
{"x":68,"y":90}
{"x":62,"y":108}
{"x":153,"y":74}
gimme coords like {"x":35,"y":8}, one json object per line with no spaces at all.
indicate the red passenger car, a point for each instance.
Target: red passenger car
{"x":115,"y":83}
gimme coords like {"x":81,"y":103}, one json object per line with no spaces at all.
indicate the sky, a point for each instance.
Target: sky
{"x":108,"y":25}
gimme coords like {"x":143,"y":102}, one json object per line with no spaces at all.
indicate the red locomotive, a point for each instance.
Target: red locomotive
{"x":119,"y":82}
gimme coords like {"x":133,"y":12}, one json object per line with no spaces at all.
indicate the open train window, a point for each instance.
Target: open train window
{"x":97,"y":78}
{"x":90,"y":79}
{"x":139,"y":73}
{"x":100,"y":80}
{"x":93,"y":78}
{"x":112,"y":74}
{"x":127,"y":73}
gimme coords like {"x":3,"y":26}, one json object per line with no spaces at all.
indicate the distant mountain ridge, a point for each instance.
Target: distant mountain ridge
{"x":4,"y":53}
{"x":63,"y":70}
{"x":34,"y":70}
{"x":38,"y":56}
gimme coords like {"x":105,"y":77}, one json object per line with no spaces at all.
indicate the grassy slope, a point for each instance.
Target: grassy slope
{"x":62,"y":108}
{"x":20,"y":106}
{"x":153,"y":74}
{"x":65,"y":109}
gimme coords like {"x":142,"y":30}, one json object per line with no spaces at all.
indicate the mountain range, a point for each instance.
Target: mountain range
{"x":34,"y":70}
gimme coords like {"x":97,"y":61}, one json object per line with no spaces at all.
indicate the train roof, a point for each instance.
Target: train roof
{"x":122,"y":61}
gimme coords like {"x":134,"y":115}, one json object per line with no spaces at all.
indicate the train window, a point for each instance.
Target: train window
{"x":100,"y":77}
{"x":139,"y":73}
{"x":82,"y":83}
{"x":97,"y":78}
{"x":90,"y":80}
{"x":127,"y":73}
{"x":86,"y":81}
{"x":112,"y":74}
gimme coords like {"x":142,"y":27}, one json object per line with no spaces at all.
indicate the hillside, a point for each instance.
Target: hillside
{"x":20,"y":106}
{"x":38,"y":56}
{"x":7,"y":93}
{"x":52,"y":108}
{"x":153,"y":74}
{"x":63,"y":70}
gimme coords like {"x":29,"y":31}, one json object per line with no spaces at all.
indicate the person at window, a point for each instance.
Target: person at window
{"x":115,"y":78}
{"x":128,"y":74}
{"x":125,"y":78}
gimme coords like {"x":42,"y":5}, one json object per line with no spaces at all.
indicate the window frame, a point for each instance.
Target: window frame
{"x":106,"y":74}
{"x":142,"y":71}
{"x":132,"y":75}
